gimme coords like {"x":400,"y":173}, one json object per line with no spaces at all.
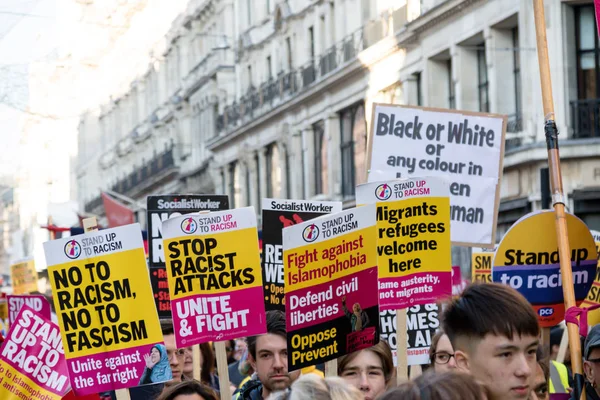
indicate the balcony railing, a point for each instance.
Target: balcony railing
{"x":585,"y":118}
{"x":259,"y":100}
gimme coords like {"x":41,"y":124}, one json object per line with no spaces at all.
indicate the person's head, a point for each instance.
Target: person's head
{"x":313,"y":387}
{"x":230,"y":349}
{"x":494,"y":332}
{"x":176,"y":356}
{"x":556,"y":335}
{"x":155,"y":355}
{"x":591,"y":357}
{"x":369,"y":370}
{"x":356,"y":308}
{"x":189,"y":390}
{"x":206,"y":362}
{"x":268,"y":355}
{"x":449,"y":385}
{"x":540,"y":378}
{"x":240,"y":347}
{"x":441,"y":353}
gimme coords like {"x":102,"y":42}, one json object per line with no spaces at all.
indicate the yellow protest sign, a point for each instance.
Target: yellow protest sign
{"x":214,"y":274}
{"x":481,"y":264}
{"x":331,"y":296}
{"x":593,"y":296}
{"x":413,"y":244}
{"x":101,"y":292}
{"x":24,"y":277}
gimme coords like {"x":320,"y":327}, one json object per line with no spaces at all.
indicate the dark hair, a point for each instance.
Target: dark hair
{"x":543,"y":361}
{"x":208,"y":362}
{"x":435,"y":386}
{"x":433,"y":348}
{"x":381,"y":350}
{"x":189,"y":387}
{"x":275,"y":325}
{"x":484,"y":308}
{"x":166,"y":325}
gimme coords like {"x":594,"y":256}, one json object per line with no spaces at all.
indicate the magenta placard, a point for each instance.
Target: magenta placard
{"x":34,"y":349}
{"x":98,"y":373}
{"x":417,"y":289}
{"x":204,"y":318}
{"x":36,"y":302}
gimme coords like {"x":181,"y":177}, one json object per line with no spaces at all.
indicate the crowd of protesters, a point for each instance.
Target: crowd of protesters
{"x":488,"y":348}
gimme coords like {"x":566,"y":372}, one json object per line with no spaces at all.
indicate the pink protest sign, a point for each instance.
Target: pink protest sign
{"x":36,"y":302}
{"x":458,"y":283}
{"x":32,"y":360}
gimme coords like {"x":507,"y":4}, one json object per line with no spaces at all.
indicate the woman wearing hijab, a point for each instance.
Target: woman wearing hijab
{"x":157,"y":366}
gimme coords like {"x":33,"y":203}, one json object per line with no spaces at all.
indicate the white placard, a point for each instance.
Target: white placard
{"x":466,"y":148}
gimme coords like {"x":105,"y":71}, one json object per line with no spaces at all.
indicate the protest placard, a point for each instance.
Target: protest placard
{"x":331,"y":286}
{"x":3,"y":314}
{"x":527,"y":259}
{"x":24,"y":277}
{"x":37,"y":303}
{"x":101,"y":293}
{"x":421,"y":322}
{"x":481,"y":264}
{"x":458,"y":283}
{"x":593,"y":296}
{"x":466,"y":148}
{"x":413,"y":243}
{"x":159,"y":209}
{"x":214,"y":274}
{"x":276,"y":215}
{"x":32,"y":359}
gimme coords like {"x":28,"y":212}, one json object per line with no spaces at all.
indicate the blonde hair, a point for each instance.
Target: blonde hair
{"x":313,"y":387}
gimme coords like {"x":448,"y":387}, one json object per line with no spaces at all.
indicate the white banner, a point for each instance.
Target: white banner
{"x":465,"y":148}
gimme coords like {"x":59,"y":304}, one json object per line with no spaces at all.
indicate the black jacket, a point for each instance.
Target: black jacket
{"x":590,"y":393}
{"x":252,"y":390}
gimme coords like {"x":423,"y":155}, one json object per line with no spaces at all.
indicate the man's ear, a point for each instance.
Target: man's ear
{"x":252,"y":361}
{"x":462,"y":360}
{"x":589,"y":372}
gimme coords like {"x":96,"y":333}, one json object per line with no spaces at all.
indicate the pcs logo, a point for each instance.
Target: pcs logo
{"x":72,"y":249}
{"x":189,"y":225}
{"x":383,"y":191}
{"x":545,"y":312}
{"x":310,"y":233}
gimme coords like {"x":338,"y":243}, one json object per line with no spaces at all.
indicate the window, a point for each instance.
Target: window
{"x":483,"y":84}
{"x":269,"y":68}
{"x":269,"y":167}
{"x":249,"y":12}
{"x":311,"y":37}
{"x":268,"y":5}
{"x":353,"y":147}
{"x":288,"y":46}
{"x":320,"y":158}
{"x":419,"y":98}
{"x":517,"y":71}
{"x":232,"y":185}
{"x":247,"y":184}
{"x":451,"y":92}
{"x":249,"y":76}
{"x":588,"y":51}
{"x":216,"y":118}
{"x":257,"y":192}
{"x":288,"y":182}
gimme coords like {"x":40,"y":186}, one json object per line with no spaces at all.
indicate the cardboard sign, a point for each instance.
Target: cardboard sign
{"x":24,"y":277}
{"x":413,"y":245}
{"x":465,"y":148}
{"x":32,"y":359}
{"x":102,"y":294}
{"x":214,"y":274}
{"x":421,"y":322}
{"x":593,"y":296}
{"x":527,"y":259}
{"x":3,"y":315}
{"x":276,"y":215}
{"x":481,"y":264}
{"x":37,"y":303}
{"x":331,"y":286}
{"x":161,"y":208}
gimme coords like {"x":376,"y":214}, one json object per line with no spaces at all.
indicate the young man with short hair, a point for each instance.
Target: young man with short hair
{"x":268,"y":356}
{"x":495,"y":334}
{"x":591,"y":364}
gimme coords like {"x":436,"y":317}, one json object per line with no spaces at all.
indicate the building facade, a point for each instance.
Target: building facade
{"x":272,"y":98}
{"x":152,"y":137}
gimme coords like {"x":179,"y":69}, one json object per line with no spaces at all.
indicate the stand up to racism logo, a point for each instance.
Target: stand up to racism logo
{"x":72,"y":249}
{"x":310,"y":233}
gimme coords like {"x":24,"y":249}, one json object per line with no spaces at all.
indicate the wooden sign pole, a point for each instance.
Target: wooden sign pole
{"x":223,"y":369}
{"x":401,"y":350}
{"x":558,"y":197}
{"x":91,"y":225}
{"x":197,"y":361}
